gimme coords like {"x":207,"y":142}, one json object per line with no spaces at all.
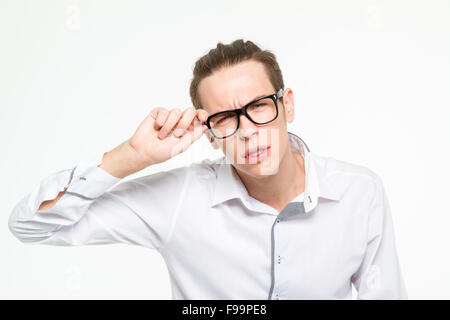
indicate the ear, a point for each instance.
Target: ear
{"x":288,"y":102}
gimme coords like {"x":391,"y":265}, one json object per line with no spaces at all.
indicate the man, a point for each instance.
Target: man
{"x":269,"y":220}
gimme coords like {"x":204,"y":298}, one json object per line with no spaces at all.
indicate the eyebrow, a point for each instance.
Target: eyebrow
{"x":254,"y":98}
{"x":257,"y":97}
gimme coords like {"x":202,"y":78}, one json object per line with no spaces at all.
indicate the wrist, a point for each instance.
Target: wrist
{"x":123,"y":161}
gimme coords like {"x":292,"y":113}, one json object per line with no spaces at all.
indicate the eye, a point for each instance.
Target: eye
{"x":258,"y":105}
{"x":224,"y":118}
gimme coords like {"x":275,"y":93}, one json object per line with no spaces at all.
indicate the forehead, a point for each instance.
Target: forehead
{"x":232,"y":87}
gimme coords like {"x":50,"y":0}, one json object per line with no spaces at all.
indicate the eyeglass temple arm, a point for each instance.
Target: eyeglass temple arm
{"x":280,"y":93}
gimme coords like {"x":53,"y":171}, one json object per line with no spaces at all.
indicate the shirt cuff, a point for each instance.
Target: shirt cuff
{"x":88,"y":181}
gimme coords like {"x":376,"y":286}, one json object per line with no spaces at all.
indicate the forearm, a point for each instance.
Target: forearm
{"x":35,"y":218}
{"x":48,"y":204}
{"x":119,"y":162}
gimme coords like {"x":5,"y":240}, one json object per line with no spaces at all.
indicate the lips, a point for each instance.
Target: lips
{"x":255,"y":150}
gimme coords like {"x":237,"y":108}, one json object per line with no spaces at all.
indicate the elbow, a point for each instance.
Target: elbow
{"x":22,"y":230}
{"x":24,"y":234}
{"x":15,"y":229}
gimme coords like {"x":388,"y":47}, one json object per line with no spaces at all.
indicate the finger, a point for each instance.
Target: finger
{"x":161,"y":118}
{"x":199,"y":117}
{"x":202,"y":114}
{"x":186,"y":119}
{"x":154,"y":112}
{"x":171,"y":121}
{"x":153,"y":115}
{"x":195,"y":123}
{"x":178,"y":132}
{"x":198,"y":130}
{"x":189,"y":138}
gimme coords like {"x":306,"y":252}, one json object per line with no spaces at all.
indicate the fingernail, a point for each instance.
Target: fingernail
{"x":178,"y":132}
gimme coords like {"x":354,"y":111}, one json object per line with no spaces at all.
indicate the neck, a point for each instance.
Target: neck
{"x":279,"y":189}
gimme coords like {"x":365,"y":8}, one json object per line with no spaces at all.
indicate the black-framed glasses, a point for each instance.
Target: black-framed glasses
{"x":260,"y":111}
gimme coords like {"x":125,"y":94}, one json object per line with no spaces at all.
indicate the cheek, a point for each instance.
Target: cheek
{"x":230,"y":148}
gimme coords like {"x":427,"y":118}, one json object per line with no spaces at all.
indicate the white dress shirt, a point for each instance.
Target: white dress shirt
{"x":217,"y":241}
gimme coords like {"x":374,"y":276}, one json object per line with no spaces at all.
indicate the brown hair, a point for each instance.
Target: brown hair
{"x":231,"y":54}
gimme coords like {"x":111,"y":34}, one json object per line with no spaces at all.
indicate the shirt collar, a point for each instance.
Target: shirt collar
{"x":230,"y":186}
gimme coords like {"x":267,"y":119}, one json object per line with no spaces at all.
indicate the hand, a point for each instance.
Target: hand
{"x":164,"y":134}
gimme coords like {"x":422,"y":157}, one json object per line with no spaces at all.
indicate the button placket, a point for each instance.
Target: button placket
{"x":276,"y":257}
{"x":291,"y":209}
{"x":278,"y":261}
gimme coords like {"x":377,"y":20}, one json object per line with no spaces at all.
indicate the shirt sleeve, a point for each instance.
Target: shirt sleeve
{"x":379,"y":275}
{"x":138,"y":211}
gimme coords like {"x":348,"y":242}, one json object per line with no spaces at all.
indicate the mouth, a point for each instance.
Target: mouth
{"x":257,"y":153}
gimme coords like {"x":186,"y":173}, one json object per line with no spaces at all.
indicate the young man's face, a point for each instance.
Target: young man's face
{"x":232,"y":87}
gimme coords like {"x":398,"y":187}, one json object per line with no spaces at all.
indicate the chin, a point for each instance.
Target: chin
{"x":260,"y":169}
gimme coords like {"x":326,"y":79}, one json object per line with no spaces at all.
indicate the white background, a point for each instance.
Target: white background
{"x":371,"y":81}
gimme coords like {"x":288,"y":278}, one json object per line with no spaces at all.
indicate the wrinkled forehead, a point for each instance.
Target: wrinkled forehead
{"x":234,"y":86}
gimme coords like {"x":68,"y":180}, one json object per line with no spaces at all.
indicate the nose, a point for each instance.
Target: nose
{"x":246,"y":127}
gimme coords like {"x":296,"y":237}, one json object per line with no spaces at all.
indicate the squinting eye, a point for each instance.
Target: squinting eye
{"x":224,"y":118}
{"x":258,"y":105}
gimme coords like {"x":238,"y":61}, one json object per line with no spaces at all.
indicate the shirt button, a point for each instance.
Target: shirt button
{"x":278,"y":220}
{"x":279,"y":259}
